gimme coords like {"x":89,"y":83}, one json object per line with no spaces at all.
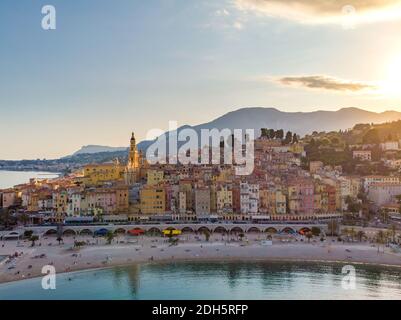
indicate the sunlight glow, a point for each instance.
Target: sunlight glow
{"x":391,"y":86}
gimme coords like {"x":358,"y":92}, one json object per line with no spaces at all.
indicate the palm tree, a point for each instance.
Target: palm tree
{"x":384,"y":213}
{"x":380,"y":239}
{"x":59,"y":239}
{"x":393,"y":232}
{"x":33,"y":238}
{"x":109,"y":237}
{"x":207,"y":235}
{"x":309,"y":236}
{"x":28,"y":233}
{"x":352,"y":234}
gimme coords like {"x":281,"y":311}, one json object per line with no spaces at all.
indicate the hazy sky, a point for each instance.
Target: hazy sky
{"x":112,"y":67}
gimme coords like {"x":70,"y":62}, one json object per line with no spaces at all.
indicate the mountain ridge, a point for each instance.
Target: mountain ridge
{"x":298,"y":122}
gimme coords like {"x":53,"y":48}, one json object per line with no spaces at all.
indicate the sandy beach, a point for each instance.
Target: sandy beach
{"x":126,"y":250}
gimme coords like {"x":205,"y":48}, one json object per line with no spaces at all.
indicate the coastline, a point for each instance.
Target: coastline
{"x":105,"y":256}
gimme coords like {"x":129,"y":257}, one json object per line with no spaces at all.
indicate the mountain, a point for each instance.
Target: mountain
{"x":301,"y":123}
{"x":91,"y":149}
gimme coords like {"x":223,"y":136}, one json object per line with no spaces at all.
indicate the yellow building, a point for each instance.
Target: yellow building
{"x":224,"y":198}
{"x":153,"y":200}
{"x":154,"y":177}
{"x":95,"y":174}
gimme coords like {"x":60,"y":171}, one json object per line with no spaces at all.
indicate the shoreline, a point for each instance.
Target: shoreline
{"x":104,"y":256}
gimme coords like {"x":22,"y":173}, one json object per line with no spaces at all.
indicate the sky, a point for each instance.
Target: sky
{"x":113,"y":67}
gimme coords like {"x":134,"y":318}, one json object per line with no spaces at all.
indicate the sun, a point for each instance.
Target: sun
{"x":391,"y":86}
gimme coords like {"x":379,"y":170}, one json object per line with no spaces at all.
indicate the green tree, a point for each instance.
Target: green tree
{"x":264,"y":132}
{"x":79,"y":244}
{"x":23,"y":218}
{"x":109,"y":237}
{"x":288,"y":138}
{"x":380,"y":239}
{"x":295,"y":138}
{"x":28,"y":233}
{"x":33,"y":238}
{"x":309,"y":236}
{"x":393,"y":232}
{"x":6,"y":219}
{"x":371,"y":137}
{"x":271,"y":134}
{"x":206,"y":233}
{"x":280,"y":134}
{"x":315,"y":231}
{"x":59,"y":239}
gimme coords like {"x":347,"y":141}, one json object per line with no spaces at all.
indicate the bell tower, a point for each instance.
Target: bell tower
{"x":133,"y":155}
{"x":132,"y":169}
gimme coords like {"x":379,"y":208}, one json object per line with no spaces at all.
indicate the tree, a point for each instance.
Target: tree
{"x":295,"y":138}
{"x":271,"y":134}
{"x":288,"y":138}
{"x":384,"y":214}
{"x":315,"y":231}
{"x":371,"y":137}
{"x":28,"y":233}
{"x":59,"y":239}
{"x":309,"y":236}
{"x":393,"y":232}
{"x":6,"y":219}
{"x":79,"y":244}
{"x":109,"y":237}
{"x":33,"y":238}
{"x":264,"y":133}
{"x":280,"y":134}
{"x":332,"y":227}
{"x":380,"y":239}
{"x":206,"y":233}
{"x":23,"y":218}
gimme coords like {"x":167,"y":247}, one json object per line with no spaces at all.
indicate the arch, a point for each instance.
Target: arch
{"x":86,"y":232}
{"x":304,"y":230}
{"x":288,"y":230}
{"x":237,"y":230}
{"x":50,"y":232}
{"x":253,"y":229}
{"x":271,"y":230}
{"x":220,"y":229}
{"x":101,"y":232}
{"x":187,"y":230}
{"x":203,"y":229}
{"x":154,"y":230}
{"x":69,"y":232}
{"x":120,"y":231}
{"x":136,"y":232}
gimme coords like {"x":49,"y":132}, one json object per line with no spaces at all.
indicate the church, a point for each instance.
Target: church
{"x":135,"y":165}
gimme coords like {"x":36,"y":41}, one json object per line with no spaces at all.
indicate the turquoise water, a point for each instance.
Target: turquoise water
{"x":9,"y":179}
{"x":214,"y":281}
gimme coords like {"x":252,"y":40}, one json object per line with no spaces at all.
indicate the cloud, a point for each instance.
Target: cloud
{"x":325,"y":83}
{"x":325,"y":11}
